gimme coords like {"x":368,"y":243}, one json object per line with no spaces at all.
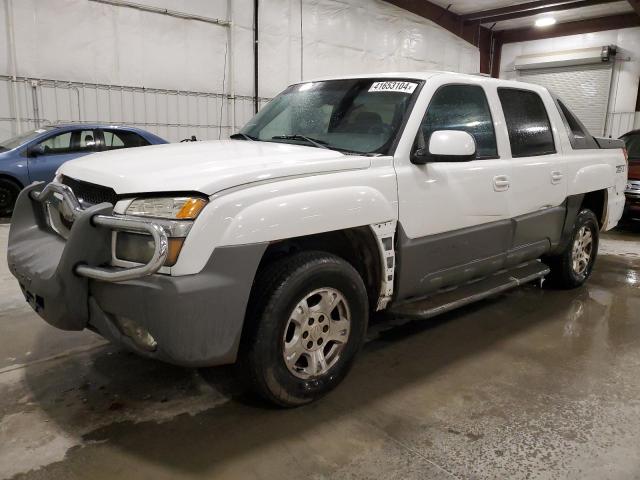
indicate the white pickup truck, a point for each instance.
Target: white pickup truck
{"x":413,"y":193}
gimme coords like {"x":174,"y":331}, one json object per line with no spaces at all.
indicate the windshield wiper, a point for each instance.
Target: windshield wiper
{"x":313,"y":141}
{"x":242,"y":136}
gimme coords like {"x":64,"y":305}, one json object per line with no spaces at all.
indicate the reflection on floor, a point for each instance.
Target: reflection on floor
{"x":534,"y":383}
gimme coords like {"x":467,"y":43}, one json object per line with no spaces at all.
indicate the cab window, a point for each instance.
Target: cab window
{"x":527,"y":123}
{"x":461,"y":107}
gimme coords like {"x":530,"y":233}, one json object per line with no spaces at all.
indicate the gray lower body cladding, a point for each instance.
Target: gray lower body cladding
{"x":428,"y":264}
{"x":196,"y":320}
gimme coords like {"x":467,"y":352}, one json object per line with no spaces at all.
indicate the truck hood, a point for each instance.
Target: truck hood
{"x":206,"y":167}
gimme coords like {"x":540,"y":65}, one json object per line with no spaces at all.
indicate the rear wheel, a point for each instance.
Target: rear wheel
{"x":307,"y":323}
{"x":573,"y":266}
{"x":9,"y":191}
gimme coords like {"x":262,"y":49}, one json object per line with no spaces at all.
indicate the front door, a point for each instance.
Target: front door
{"x":453,"y":215}
{"x":49,"y":154}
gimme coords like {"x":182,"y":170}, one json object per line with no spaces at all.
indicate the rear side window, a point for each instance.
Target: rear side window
{"x":122,"y":139}
{"x":527,"y":123}
{"x":461,"y":107}
{"x":578,"y":135}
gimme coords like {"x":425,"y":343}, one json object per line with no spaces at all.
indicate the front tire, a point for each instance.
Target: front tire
{"x":574,"y":265}
{"x":306,"y":323}
{"x":9,"y":191}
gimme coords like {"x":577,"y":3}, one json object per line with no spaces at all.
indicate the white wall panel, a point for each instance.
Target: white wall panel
{"x":97,"y":62}
{"x":626,"y":73}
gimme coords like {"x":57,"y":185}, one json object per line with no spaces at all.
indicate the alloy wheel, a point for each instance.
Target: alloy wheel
{"x":582,"y":250}
{"x":316,"y":333}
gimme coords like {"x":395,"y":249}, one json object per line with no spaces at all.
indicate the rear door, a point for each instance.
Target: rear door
{"x":58,"y":149}
{"x":454,"y":216}
{"x":538,"y":172}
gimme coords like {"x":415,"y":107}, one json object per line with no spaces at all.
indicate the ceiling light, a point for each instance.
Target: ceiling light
{"x":545,"y":21}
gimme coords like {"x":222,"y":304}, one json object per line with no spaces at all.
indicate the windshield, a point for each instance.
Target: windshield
{"x":633,"y":145}
{"x":15,"y":142}
{"x":360,"y":115}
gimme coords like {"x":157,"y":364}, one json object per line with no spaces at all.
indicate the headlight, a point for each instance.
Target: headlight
{"x":134,"y":247}
{"x":179,"y":208}
{"x":174,"y":214}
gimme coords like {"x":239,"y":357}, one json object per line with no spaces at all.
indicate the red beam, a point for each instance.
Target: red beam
{"x":490,"y":16}
{"x":441,"y":16}
{"x":497,"y":55}
{"x":600,"y":24}
{"x":530,"y":7}
{"x":473,"y":33}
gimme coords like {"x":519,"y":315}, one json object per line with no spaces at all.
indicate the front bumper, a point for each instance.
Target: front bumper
{"x":196,"y":320}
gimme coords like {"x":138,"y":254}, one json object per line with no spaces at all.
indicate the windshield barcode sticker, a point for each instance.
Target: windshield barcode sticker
{"x":402,"y":87}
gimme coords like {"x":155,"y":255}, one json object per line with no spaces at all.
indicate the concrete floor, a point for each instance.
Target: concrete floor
{"x":532,"y":384}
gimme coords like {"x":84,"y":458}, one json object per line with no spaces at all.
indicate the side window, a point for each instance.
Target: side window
{"x":85,"y":141}
{"x":69,"y":142}
{"x":60,"y":143}
{"x":527,"y":123}
{"x":461,"y":107}
{"x":578,"y":135}
{"x":122,"y":139}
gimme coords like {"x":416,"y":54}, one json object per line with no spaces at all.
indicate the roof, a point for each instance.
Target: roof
{"x":429,"y":74}
{"x":79,"y":126}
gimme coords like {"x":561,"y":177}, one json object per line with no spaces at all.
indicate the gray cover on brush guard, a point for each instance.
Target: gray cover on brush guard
{"x":44,"y":263}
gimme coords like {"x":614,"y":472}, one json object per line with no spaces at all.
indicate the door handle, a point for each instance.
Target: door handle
{"x":501,"y":183}
{"x":556,"y":177}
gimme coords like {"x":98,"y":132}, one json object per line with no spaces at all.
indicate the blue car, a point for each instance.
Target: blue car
{"x":36,"y":155}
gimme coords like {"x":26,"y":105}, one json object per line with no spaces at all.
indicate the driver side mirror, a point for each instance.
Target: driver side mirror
{"x":36,"y":150}
{"x":446,"y":146}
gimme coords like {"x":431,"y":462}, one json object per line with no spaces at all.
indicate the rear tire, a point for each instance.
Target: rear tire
{"x":306,"y":323}
{"x":9,"y":191}
{"x":574,"y":265}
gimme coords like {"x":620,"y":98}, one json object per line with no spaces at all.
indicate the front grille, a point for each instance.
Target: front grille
{"x":90,"y":192}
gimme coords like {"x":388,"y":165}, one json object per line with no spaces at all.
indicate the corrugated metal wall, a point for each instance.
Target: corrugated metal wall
{"x":171,"y":114}
{"x":82,"y":60}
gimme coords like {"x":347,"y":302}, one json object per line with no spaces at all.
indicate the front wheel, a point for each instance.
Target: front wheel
{"x":573,"y":266}
{"x":8,"y":195}
{"x":306,"y":323}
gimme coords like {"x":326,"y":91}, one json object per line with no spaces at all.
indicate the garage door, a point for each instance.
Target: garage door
{"x":584,"y":88}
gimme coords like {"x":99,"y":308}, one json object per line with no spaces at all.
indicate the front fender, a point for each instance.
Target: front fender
{"x":299,"y":214}
{"x":288,"y":209}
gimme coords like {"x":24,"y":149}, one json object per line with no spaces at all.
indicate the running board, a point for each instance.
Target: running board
{"x":446,"y":300}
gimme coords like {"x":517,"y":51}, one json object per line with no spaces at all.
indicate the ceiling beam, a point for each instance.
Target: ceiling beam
{"x":636,"y":5}
{"x":475,"y":34}
{"x":599,"y":24}
{"x":441,"y":16}
{"x":522,"y":10}
{"x":522,"y":7}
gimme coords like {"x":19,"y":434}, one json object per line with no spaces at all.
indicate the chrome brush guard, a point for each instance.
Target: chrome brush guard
{"x":62,"y":198}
